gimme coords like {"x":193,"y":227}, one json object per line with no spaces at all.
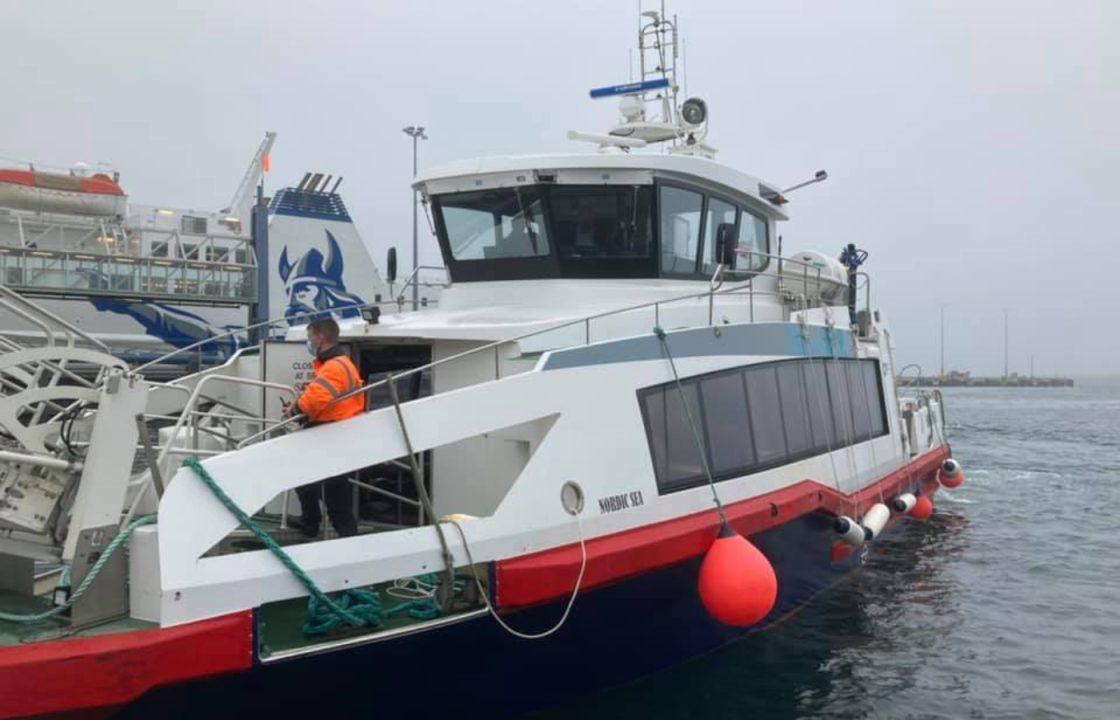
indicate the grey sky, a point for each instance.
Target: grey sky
{"x":972,"y":147}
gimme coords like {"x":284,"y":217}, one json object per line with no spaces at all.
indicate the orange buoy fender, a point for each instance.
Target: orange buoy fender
{"x":950,"y":474}
{"x":737,"y":583}
{"x":923,"y":508}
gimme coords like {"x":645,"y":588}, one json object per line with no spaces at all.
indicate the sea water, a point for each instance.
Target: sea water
{"x":1005,"y":605}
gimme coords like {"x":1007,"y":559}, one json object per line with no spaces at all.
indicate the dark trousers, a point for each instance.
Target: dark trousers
{"x":339,"y":498}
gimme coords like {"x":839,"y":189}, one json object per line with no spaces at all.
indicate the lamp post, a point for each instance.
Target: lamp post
{"x":1006,"y":372}
{"x":417,"y":134}
{"x":943,"y":306}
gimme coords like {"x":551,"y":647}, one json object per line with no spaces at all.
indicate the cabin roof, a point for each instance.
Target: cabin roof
{"x":488,"y":172}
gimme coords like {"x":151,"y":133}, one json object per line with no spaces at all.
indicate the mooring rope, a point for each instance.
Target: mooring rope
{"x":356,"y":607}
{"x":660,"y":333}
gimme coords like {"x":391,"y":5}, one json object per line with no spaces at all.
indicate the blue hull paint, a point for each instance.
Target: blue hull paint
{"x":475,"y":669}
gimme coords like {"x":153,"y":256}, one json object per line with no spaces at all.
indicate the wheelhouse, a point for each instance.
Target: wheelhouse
{"x":604,"y":220}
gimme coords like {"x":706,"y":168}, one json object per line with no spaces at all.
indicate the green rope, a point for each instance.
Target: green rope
{"x":321,"y":618}
{"x":121,"y":538}
{"x":356,"y":607}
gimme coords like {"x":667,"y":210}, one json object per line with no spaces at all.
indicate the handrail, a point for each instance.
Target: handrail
{"x":867,"y":288}
{"x":239,"y":331}
{"x":746,"y":285}
{"x":414,"y":279}
{"x":73,"y":330}
{"x":188,"y":409}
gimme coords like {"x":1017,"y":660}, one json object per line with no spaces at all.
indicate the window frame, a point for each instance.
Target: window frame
{"x":748,"y":272}
{"x":658,"y":184}
{"x":738,"y":207}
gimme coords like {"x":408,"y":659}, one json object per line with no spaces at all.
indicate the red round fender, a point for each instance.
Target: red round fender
{"x":737,"y":583}
{"x":922,"y":509}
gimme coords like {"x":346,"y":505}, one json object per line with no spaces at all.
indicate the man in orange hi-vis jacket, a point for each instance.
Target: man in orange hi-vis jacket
{"x":334,"y":376}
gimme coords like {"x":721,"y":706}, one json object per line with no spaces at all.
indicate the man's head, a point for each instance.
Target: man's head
{"x":322,"y":334}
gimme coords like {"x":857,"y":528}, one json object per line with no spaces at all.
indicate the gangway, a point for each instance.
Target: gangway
{"x":52,"y":256}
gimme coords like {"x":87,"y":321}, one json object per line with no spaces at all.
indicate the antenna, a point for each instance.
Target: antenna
{"x":819,"y":176}
{"x":649,"y":105}
{"x":684,"y":64}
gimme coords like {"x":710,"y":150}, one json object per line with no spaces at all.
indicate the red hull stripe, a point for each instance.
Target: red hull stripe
{"x":550,"y":574}
{"x":109,"y":670}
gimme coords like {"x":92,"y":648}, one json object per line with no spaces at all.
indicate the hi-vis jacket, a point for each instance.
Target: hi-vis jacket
{"x":335,"y":375}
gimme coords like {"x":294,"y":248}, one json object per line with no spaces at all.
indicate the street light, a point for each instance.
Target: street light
{"x":943,"y":306}
{"x":417,"y":134}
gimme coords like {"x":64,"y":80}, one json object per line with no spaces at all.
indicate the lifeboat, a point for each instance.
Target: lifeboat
{"x":97,"y":194}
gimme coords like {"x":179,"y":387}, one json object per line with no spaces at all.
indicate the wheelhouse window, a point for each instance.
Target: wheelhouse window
{"x":495,"y":224}
{"x":760,"y":416}
{"x":595,"y":231}
{"x":720,"y":215}
{"x":681,"y":212}
{"x":754,"y":243}
{"x":602,"y":231}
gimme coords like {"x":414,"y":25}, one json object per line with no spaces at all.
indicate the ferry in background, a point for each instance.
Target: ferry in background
{"x":149,"y":279}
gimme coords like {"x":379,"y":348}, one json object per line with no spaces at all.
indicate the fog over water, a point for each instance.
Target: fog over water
{"x":972,"y":147}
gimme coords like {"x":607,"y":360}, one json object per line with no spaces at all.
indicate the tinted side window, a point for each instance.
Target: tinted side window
{"x":861,"y":408}
{"x":676,"y":457}
{"x":841,"y":403}
{"x":725,"y":417}
{"x":875,"y":397}
{"x":820,"y":415}
{"x":766,"y":413}
{"x":680,"y":212}
{"x":794,"y":409}
{"x":756,"y":417}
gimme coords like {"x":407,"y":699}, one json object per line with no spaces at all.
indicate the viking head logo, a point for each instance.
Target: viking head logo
{"x":314,"y":285}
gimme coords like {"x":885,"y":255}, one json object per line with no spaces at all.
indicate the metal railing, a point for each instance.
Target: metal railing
{"x":413,"y":278}
{"x":810,"y":273}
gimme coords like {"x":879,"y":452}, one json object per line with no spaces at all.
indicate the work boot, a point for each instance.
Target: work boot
{"x":306,"y":529}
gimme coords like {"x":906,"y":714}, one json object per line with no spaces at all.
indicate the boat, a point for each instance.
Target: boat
{"x":150,"y":279}
{"x":98,"y":194}
{"x":631,"y":432}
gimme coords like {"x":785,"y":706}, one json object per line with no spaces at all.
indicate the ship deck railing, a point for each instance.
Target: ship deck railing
{"x":196,"y":422}
{"x":723,"y":282}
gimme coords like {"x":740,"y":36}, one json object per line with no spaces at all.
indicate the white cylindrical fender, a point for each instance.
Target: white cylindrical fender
{"x":903,"y":502}
{"x":950,"y":468}
{"x":849,"y":530}
{"x":875,"y":519}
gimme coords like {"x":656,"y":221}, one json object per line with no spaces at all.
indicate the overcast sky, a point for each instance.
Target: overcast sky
{"x":973,"y":147}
